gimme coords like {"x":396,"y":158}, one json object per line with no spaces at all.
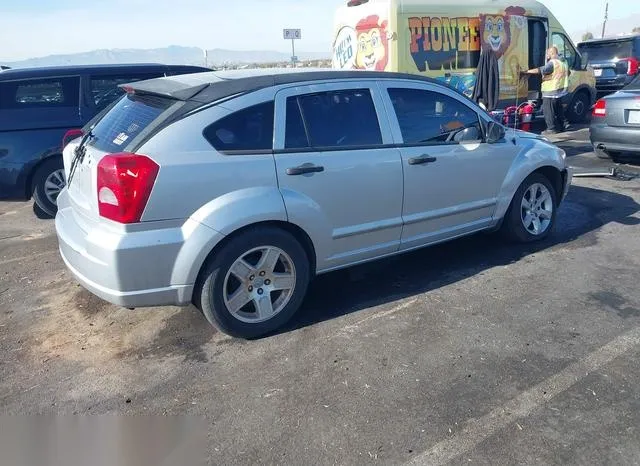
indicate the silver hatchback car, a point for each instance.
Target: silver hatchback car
{"x":232,"y":190}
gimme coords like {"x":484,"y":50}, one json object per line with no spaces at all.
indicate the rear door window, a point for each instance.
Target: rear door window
{"x":607,"y":51}
{"x":428,"y":117}
{"x":127,"y":120}
{"x":104,"y":89}
{"x":246,"y":131}
{"x":40,"y":93}
{"x":334,"y":119}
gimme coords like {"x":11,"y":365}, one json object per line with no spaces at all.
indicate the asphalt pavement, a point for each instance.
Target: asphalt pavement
{"x":472,"y":352}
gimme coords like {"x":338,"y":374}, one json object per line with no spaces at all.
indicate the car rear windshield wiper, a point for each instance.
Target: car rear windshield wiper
{"x":78,"y":154}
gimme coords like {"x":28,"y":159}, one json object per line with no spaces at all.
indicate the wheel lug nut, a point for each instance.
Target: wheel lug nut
{"x":267,"y":282}
{"x":250,"y":288}
{"x":252,"y":277}
{"x":260,"y":291}
{"x":262,"y":274}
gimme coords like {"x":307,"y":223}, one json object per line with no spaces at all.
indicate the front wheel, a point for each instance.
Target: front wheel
{"x":254,"y":284}
{"x":48,"y":181}
{"x":532,"y":214}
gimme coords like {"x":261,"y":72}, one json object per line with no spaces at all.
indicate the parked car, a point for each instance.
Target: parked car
{"x":615,"y":126}
{"x":39,"y":105}
{"x":614,"y":61}
{"x":232,"y":190}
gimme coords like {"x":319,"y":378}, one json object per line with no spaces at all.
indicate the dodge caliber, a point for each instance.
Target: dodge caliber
{"x":232,"y":190}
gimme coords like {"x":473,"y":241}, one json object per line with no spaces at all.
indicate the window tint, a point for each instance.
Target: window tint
{"x":40,"y":93}
{"x":250,"y":129}
{"x":104,"y":89}
{"x":126,"y":120}
{"x":431,"y":117}
{"x":295,"y":134}
{"x":565,"y":49}
{"x":340,"y":119}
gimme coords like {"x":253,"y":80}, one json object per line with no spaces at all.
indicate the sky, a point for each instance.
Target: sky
{"x":35,"y":28}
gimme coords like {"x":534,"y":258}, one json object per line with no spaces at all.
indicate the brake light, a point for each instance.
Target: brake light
{"x":125,"y":182}
{"x":600,"y":109}
{"x":632,"y":66}
{"x":70,"y":136}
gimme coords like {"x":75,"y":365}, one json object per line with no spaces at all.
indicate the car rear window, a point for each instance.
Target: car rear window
{"x":604,"y":51}
{"x":128,"y":119}
{"x":40,"y":93}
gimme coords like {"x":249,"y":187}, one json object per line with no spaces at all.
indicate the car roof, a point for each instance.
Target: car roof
{"x":611,"y":39}
{"x":212,"y":86}
{"x":65,"y":70}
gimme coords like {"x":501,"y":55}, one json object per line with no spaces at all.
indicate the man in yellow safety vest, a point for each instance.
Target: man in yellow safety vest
{"x":555,"y":86}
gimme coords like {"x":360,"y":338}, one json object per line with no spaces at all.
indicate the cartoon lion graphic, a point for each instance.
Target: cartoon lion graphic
{"x":372,"y":43}
{"x":496,"y":33}
{"x":495,"y":30}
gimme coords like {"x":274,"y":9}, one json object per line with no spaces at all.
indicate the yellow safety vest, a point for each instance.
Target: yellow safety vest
{"x":558,"y":80}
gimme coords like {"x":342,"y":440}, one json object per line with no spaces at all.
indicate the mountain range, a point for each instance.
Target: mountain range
{"x":174,"y":55}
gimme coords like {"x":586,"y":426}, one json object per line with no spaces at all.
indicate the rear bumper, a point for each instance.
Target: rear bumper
{"x":133,"y":269}
{"x":615,"y":138}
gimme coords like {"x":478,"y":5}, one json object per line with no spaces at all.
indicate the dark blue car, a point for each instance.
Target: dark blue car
{"x":38,"y":106}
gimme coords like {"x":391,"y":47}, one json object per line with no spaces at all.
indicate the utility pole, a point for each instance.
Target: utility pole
{"x":606,"y":17}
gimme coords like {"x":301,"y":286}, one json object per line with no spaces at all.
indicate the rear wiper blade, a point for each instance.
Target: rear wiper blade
{"x":78,"y":154}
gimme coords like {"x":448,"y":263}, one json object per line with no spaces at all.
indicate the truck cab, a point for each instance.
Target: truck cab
{"x":445,"y":41}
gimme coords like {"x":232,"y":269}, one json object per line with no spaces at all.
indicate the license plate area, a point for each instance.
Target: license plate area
{"x":634,"y":117}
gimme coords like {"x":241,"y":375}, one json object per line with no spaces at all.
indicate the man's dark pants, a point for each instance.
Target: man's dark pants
{"x":553,"y":114}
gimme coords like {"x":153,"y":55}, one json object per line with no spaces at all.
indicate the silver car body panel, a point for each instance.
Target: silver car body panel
{"x":366,"y":204}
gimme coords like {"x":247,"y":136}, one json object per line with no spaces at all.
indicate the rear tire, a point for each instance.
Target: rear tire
{"x":578,"y":109}
{"x":235,"y":275}
{"x":534,"y":204}
{"x":48,"y":181}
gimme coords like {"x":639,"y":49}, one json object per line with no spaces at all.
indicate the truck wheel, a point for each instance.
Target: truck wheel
{"x":532,"y":214}
{"x":48,"y":181}
{"x":254,"y":284}
{"x":578,"y":109}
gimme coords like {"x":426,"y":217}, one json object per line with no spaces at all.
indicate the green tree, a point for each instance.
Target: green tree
{"x":587,"y":36}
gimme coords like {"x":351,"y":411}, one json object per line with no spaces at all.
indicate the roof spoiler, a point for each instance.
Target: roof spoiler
{"x":164,"y":88}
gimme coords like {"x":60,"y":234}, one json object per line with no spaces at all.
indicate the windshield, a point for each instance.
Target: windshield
{"x":605,"y":51}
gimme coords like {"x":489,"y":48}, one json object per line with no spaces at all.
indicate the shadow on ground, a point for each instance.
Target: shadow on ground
{"x":344,"y":292}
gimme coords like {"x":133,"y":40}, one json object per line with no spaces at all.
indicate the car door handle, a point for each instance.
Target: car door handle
{"x":304,"y":169}
{"x":424,"y":158}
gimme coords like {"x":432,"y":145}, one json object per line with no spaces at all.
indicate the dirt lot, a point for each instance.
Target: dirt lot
{"x":470,"y":352}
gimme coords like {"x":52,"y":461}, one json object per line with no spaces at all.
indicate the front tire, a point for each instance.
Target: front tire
{"x":532,"y":213}
{"x":254,"y":284}
{"x":48,"y":181}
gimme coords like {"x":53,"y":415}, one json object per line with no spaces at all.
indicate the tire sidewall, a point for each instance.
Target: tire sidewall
{"x":42,"y":173}
{"x":210,"y":293}
{"x":514,"y":226}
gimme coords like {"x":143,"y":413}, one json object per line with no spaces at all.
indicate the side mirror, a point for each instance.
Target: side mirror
{"x":469,"y":134}
{"x":495,"y":132}
{"x":584,"y":62}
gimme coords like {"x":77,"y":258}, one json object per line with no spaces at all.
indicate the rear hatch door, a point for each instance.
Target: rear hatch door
{"x":129,"y":122}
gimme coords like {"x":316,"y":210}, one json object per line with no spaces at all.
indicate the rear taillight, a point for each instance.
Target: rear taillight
{"x":70,"y":136}
{"x":600,"y":109}
{"x":125,"y":182}
{"x":632,"y":66}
